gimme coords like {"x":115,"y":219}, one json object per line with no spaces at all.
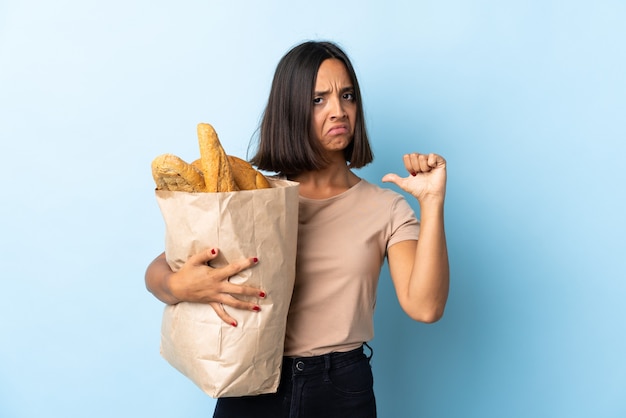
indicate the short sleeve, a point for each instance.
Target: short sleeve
{"x":404,"y":223}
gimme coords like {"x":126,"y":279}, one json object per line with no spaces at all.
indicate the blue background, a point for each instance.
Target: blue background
{"x":525,"y":99}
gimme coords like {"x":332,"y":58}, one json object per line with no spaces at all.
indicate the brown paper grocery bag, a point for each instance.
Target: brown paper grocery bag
{"x":220,"y":359}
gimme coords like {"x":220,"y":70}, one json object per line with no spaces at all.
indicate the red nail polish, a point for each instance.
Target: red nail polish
{"x":256,"y":260}
{"x":261,"y":294}
{"x":234,"y":324}
{"x":413,"y":173}
{"x":213,"y":251}
{"x":256,"y":308}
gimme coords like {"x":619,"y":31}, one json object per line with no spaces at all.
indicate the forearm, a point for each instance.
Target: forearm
{"x":157,"y":279}
{"x":430,"y":275}
{"x":420,"y":269}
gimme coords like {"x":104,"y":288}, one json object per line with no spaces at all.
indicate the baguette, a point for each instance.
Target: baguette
{"x":218,"y":176}
{"x":214,"y":171}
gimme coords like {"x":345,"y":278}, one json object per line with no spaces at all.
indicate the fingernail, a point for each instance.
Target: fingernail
{"x":413,"y":173}
{"x":261,"y":294}
{"x":234,"y":324}
{"x":255,"y":260}
{"x":213,"y":251}
{"x":256,"y":308}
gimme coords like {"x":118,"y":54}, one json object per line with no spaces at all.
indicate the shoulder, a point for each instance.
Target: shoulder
{"x":375,"y":191}
{"x":384,"y":199}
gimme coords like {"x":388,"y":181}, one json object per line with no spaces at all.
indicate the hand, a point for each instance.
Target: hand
{"x":427,"y":177}
{"x":198,"y":282}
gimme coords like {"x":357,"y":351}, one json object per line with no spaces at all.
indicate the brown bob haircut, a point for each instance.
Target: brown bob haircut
{"x":285,"y":143}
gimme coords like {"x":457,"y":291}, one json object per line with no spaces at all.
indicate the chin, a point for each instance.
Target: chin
{"x":338,"y":144}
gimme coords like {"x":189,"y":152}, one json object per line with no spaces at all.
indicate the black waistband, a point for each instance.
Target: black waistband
{"x":316,"y":364}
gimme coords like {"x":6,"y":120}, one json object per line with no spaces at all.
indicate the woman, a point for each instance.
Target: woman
{"x":313,"y":132}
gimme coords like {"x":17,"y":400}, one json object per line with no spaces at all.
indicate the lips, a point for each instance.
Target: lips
{"x":338,"y":130}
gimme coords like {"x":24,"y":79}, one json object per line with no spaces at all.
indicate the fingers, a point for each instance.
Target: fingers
{"x":416,"y":163}
{"x":203,"y":257}
{"x":231,"y":291}
{"x":198,"y":282}
{"x":242,"y":290}
{"x":227,"y":299}
{"x":222,"y":314}
{"x":225,"y":293}
{"x":230,"y":300}
{"x":208,"y":255}
{"x":237,"y":266}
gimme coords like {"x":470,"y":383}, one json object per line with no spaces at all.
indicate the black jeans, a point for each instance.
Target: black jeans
{"x":335,"y":385}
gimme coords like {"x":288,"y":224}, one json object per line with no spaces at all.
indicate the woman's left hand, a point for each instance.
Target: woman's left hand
{"x":427,"y":177}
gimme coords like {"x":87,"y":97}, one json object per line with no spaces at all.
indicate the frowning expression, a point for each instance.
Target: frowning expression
{"x":334,"y":107}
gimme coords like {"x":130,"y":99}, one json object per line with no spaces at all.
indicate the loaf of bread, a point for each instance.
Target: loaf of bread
{"x":172,"y":173}
{"x":246,"y":177}
{"x":218,"y":176}
{"x":214,"y":171}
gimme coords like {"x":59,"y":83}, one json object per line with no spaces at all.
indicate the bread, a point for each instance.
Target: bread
{"x":218,"y":176}
{"x":214,"y":171}
{"x":246,"y":177}
{"x":172,"y":173}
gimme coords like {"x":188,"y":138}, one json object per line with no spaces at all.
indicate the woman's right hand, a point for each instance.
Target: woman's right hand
{"x":198,"y":282}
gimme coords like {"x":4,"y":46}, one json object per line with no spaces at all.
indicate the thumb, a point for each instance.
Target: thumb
{"x":391,"y":178}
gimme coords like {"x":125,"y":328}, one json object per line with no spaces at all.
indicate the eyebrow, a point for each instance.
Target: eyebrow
{"x":325,"y":92}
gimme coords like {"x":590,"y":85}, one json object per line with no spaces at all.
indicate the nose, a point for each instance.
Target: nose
{"x":337,"y":110}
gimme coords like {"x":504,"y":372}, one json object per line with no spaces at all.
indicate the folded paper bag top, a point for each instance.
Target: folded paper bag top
{"x":220,"y":359}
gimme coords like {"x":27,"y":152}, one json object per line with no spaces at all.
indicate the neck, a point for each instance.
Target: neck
{"x":327,"y":182}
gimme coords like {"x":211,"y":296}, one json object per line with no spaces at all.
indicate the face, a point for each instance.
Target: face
{"x":334,"y":107}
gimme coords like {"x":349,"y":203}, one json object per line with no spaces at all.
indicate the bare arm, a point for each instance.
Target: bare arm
{"x":197,"y":282}
{"x":420,"y":269}
{"x":157,"y":279}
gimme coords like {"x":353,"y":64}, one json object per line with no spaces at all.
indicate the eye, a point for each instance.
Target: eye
{"x":348,"y":96}
{"x":317,"y":100}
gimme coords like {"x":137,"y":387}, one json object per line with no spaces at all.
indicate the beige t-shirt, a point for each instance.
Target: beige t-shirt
{"x":342,"y":243}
